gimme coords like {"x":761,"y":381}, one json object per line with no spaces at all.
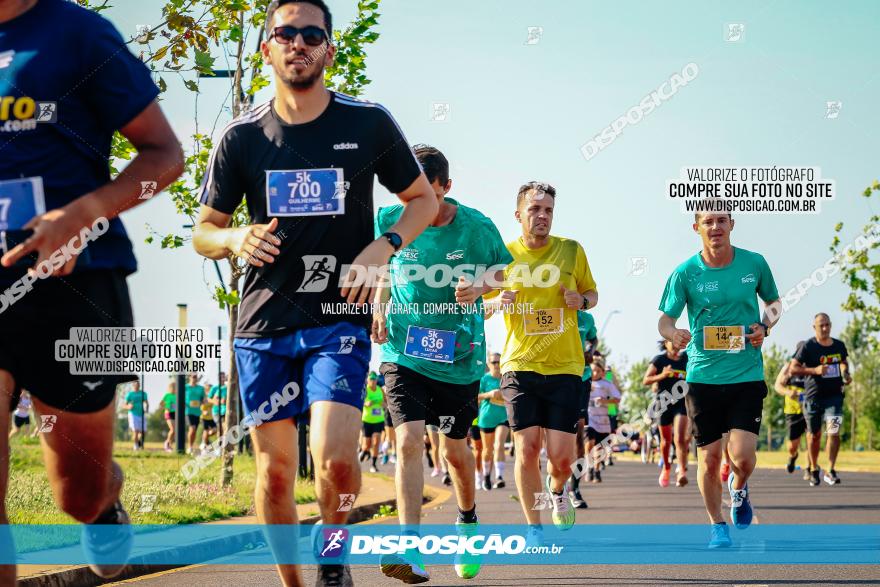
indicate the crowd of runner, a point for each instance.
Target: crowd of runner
{"x":305,"y":164}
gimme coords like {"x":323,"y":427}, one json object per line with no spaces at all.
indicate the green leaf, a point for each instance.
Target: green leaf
{"x":204,"y":62}
{"x":191,"y":85}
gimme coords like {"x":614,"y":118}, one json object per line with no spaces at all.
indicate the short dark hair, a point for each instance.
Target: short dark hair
{"x":697,"y":216}
{"x":276,"y":4}
{"x":433,"y":162}
{"x":662,"y":344}
{"x":534,"y":185}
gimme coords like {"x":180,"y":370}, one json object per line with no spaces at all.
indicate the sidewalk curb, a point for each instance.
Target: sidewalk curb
{"x":82,"y":576}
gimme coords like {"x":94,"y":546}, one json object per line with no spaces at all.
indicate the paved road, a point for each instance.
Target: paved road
{"x":628,"y":495}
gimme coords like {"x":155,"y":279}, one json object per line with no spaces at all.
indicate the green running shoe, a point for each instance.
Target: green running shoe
{"x":563,"y":513}
{"x":467,"y":565}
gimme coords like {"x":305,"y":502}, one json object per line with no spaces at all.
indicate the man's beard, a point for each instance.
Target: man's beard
{"x":303,"y":81}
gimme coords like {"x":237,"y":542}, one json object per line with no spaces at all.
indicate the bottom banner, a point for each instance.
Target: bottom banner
{"x":436,"y":544}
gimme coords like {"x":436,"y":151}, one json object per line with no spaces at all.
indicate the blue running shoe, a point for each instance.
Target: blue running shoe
{"x":740,"y":507}
{"x":720,"y":537}
{"x":107,"y":543}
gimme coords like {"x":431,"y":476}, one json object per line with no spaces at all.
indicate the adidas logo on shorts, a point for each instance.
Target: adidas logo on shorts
{"x":341,"y":385}
{"x":345,"y":146}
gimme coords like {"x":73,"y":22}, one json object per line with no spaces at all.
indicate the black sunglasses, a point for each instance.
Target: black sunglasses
{"x":286,"y":34}
{"x":494,"y":362}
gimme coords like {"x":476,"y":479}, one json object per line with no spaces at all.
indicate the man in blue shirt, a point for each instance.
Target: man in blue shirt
{"x":67,"y":83}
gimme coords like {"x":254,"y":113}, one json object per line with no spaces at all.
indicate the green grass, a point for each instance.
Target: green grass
{"x":147,"y":473}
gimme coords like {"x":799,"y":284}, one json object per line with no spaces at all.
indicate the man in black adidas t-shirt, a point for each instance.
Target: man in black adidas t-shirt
{"x":305,"y":162}
{"x":821,"y":360}
{"x":667,"y":369}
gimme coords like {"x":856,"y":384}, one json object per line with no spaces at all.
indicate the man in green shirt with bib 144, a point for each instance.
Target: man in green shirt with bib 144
{"x":725,"y":370}
{"x":433,"y":358}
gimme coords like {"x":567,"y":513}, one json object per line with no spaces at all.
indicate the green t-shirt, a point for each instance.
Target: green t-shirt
{"x":587,"y":330}
{"x":490,"y":409}
{"x":136,"y":399}
{"x":170,"y":401}
{"x":469,"y":244}
{"x":612,"y":408}
{"x":195,"y":395}
{"x":221,"y":409}
{"x":724,"y":296}
{"x":373,"y":410}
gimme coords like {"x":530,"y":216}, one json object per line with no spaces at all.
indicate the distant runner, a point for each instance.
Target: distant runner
{"x":822,"y":361}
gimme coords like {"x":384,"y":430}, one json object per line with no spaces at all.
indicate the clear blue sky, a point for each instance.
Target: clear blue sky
{"x":521,"y":112}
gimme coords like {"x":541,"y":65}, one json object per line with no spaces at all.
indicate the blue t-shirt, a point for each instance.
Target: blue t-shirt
{"x":65,"y":64}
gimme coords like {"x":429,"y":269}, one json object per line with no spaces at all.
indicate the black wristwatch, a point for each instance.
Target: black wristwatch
{"x":394,"y":239}
{"x":766,"y":329}
{"x":585,"y":305}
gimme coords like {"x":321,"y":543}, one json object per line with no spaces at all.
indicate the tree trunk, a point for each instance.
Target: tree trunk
{"x":852,"y":416}
{"x":232,"y":395}
{"x":232,"y":416}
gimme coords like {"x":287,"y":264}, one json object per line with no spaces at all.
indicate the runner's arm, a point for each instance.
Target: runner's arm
{"x":679,"y":337}
{"x":214,"y":239}
{"x":592,"y":297}
{"x":594,"y":342}
{"x":798,"y":368}
{"x":159,"y":159}
{"x":651,"y":376}
{"x":379,"y":327}
{"x":779,"y":384}
{"x":772,"y":313}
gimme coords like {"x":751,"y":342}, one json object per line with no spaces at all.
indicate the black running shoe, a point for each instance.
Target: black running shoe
{"x":334,"y":576}
{"x":577,"y":500}
{"x":831,"y":477}
{"x":790,"y":466}
{"x":447,"y":480}
{"x":499,"y":483}
{"x":814,"y":478}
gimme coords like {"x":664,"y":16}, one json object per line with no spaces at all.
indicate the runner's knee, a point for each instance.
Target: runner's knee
{"x":528,"y":451}
{"x":712,"y":462}
{"x":277,"y":476}
{"x":455,"y":457}
{"x":409,"y":446}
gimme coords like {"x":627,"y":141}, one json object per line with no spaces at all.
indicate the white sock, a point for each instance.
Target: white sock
{"x":477,"y":477}
{"x":487,"y":468}
{"x":499,"y":469}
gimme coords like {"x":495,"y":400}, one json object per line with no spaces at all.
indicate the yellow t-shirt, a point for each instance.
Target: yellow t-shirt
{"x":547,"y":340}
{"x":206,"y":412}
{"x":792,"y":406}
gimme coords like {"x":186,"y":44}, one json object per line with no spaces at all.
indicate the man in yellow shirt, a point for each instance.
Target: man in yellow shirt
{"x":543,"y":360}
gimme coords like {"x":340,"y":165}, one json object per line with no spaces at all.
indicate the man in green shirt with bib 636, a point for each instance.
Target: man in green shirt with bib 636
{"x":433,"y":358}
{"x":725,"y":371}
